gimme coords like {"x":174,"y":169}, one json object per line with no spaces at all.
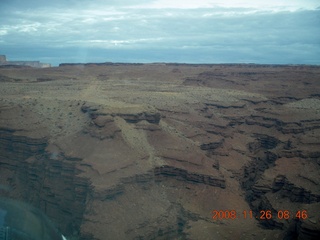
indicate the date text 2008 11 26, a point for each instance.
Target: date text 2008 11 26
{"x":261,"y":215}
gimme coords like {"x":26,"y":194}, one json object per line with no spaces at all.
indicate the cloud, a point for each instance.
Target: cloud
{"x":242,"y":30}
{"x":274,"y":5}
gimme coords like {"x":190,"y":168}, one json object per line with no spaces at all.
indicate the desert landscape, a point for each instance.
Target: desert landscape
{"x":165,"y":151}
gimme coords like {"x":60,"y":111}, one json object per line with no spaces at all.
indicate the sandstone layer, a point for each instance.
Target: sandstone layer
{"x":150,"y":151}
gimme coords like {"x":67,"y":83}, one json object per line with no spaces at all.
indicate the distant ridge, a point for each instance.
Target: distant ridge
{"x":188,"y":64}
{"x":98,"y":64}
{"x":34,"y":64}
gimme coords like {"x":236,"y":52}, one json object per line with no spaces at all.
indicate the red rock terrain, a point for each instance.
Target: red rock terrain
{"x":149,"y":151}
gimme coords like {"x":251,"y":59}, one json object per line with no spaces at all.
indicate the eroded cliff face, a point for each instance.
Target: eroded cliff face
{"x":47,"y":180}
{"x":149,"y":151}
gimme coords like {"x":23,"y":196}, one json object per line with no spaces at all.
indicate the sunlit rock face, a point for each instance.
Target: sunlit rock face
{"x":151,"y":151}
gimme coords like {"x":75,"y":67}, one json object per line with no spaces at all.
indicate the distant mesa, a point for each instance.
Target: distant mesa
{"x":35,"y":64}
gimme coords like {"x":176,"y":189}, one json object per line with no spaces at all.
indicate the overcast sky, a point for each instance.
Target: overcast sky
{"x":191,"y":31}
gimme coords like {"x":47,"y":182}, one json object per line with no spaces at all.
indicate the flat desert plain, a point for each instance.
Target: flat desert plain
{"x":165,"y":151}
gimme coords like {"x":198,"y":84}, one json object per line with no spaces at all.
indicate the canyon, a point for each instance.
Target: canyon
{"x":152,"y":151}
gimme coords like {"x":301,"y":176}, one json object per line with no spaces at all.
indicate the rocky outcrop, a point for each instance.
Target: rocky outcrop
{"x":294,"y":193}
{"x":14,"y":146}
{"x":212,"y":145}
{"x":282,"y":126}
{"x":134,"y":118}
{"x":263,"y":142}
{"x":103,"y":124}
{"x":130,"y":117}
{"x":226,"y":105}
{"x":184,"y":175}
{"x":110,"y":193}
{"x":308,"y":230}
{"x":102,"y":127}
{"x":48,"y":181}
{"x":35,"y":64}
{"x":266,"y":150}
